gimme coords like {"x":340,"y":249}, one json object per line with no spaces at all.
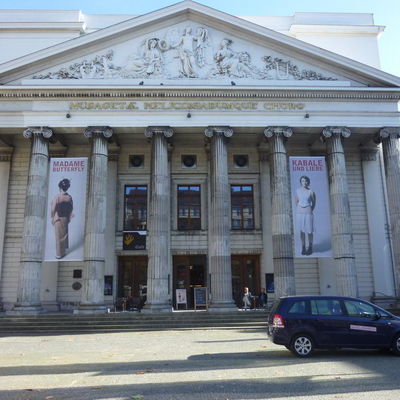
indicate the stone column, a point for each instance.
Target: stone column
{"x":282,"y":231}
{"x":28,"y":298}
{"x":158,"y":222}
{"x":342,"y":230}
{"x":95,"y":244}
{"x":381,"y":251}
{"x":220,"y":221}
{"x":391,"y":156}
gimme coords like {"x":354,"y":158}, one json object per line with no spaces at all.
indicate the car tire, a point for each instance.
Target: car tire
{"x":396,"y":345}
{"x":302,"y":345}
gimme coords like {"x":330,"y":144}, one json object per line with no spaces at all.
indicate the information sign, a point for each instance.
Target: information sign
{"x":200,"y":297}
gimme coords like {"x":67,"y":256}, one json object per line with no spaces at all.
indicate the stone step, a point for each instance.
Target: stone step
{"x":115,"y":322}
{"x":122,"y":328}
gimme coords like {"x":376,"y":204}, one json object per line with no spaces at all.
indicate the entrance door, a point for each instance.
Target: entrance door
{"x":189,"y":272}
{"x":133,"y":278}
{"x":245,"y":273}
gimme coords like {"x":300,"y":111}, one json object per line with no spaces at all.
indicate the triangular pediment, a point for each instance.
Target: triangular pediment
{"x":189,"y":44}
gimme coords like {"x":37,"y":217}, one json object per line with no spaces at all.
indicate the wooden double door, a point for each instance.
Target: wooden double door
{"x":133,"y":277}
{"x":189,"y":273}
{"x":245,"y":273}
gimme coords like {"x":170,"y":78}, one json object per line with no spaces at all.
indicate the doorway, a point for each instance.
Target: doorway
{"x":245,"y":273}
{"x":189,"y":273}
{"x":132,"y":282}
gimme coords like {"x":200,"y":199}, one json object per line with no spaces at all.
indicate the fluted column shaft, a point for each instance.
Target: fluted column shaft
{"x":391,"y":156}
{"x":282,"y":232}
{"x":220,"y":221}
{"x":158,"y":223}
{"x":28,"y":298}
{"x":342,"y":230}
{"x":94,"y":258}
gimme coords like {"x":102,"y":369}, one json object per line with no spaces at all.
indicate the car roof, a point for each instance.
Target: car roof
{"x":308,"y":297}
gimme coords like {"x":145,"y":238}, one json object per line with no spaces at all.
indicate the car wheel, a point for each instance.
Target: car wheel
{"x":396,"y":345}
{"x":302,"y":345}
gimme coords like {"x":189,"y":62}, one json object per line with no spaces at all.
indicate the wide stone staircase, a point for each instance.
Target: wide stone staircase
{"x":59,"y":323}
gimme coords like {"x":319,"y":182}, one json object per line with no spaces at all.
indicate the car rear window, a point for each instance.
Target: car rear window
{"x":275,"y":306}
{"x":326,"y":307}
{"x":299,"y":307}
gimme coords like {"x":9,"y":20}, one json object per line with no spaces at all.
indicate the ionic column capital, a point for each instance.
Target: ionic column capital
{"x":219,"y":130}
{"x":277,"y":131}
{"x":336,"y":131}
{"x":387,"y":133}
{"x":45,"y":131}
{"x":162,"y":130}
{"x":105,"y":131}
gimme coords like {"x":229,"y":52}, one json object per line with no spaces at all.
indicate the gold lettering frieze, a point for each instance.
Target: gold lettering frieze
{"x":185,"y":106}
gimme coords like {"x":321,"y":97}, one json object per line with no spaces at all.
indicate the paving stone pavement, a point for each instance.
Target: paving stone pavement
{"x":195,"y":364}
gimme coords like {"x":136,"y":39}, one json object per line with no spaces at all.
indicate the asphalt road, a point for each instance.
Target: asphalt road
{"x":202,"y":364}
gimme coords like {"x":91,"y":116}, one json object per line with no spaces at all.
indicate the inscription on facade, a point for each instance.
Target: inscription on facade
{"x":178,"y":105}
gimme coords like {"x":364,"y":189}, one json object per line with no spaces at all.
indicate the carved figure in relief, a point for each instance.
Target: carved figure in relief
{"x":149,"y":63}
{"x":187,"y":54}
{"x":203,"y":47}
{"x":231,"y":64}
{"x":108,"y":69}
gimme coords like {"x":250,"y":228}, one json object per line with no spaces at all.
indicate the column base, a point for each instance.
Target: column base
{"x":91,"y":308}
{"x":222,"y":306}
{"x":156,"y":307}
{"x":50,"y":306}
{"x":26,"y":309}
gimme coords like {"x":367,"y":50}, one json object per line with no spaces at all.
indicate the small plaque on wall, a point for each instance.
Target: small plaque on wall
{"x":108,"y":285}
{"x":134,"y":240}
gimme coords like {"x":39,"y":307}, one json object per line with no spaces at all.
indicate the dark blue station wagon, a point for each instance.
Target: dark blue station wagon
{"x":305,"y":323}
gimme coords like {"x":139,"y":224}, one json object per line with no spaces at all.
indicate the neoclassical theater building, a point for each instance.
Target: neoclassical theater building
{"x":144,"y":156}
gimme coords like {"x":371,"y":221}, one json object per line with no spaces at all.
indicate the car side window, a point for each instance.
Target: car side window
{"x":299,"y":307}
{"x":384,"y":314}
{"x":359,"y":309}
{"x":326,"y":307}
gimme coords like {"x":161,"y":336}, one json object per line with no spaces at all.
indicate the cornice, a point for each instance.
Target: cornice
{"x":279,"y":93}
{"x":44,"y":26}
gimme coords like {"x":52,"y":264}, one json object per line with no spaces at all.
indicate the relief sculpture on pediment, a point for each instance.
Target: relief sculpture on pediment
{"x":183,"y":56}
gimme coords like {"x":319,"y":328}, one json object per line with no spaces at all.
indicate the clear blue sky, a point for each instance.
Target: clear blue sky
{"x":386,"y":13}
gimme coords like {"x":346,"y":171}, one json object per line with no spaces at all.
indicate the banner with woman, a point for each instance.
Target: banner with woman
{"x":66,"y":204}
{"x":311,"y":208}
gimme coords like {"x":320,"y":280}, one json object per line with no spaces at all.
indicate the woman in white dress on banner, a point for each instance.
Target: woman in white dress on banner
{"x":305,"y":201}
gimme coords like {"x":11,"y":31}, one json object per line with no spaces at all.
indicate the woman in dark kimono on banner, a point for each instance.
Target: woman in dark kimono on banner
{"x":61,"y":214}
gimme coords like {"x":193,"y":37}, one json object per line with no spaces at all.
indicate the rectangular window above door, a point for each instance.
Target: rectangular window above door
{"x":189,"y":207}
{"x":135,"y":208}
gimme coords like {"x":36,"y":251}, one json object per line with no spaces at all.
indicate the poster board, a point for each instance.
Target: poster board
{"x":181,"y":298}
{"x":200,"y":297}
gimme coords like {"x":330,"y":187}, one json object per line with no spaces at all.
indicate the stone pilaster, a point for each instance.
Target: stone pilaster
{"x":158,"y":222}
{"x":220,"y":221}
{"x":391,"y":156}
{"x":267,"y":260}
{"x":93,"y":283}
{"x":342,"y":230}
{"x":5,"y":166}
{"x":282,"y":231}
{"x":28,"y":298}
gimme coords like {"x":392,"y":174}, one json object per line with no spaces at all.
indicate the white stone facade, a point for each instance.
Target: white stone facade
{"x":223,"y":76}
